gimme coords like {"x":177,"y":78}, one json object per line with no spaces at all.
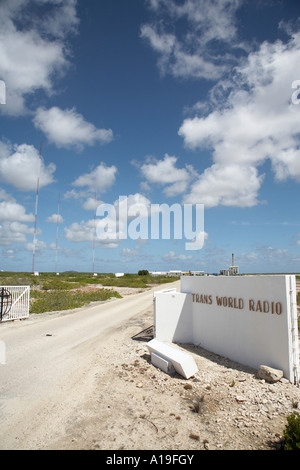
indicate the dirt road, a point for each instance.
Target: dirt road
{"x":51,"y":363}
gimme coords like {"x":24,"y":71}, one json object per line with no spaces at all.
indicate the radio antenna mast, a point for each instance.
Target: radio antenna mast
{"x":94,"y":231}
{"x":36,"y":208}
{"x":57,"y":225}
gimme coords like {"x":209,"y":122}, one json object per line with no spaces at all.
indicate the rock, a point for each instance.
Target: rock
{"x":284,"y":380}
{"x":188,"y":386}
{"x":240,"y":399}
{"x":269,"y":374}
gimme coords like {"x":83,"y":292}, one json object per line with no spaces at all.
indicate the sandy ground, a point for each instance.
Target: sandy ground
{"x":134,"y":405}
{"x":123,"y":402}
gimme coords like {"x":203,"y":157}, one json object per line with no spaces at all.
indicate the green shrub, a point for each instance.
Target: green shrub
{"x":125,"y":282}
{"x":58,"y":284}
{"x":49,"y":301}
{"x":292,"y":432}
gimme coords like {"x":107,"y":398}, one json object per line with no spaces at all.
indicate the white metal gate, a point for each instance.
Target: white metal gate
{"x":14,"y":302}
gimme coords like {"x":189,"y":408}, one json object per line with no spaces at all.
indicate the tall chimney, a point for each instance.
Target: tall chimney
{"x":232,"y":259}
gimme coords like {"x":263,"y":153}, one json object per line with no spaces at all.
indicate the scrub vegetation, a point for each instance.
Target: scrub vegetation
{"x":52,"y":300}
{"x":292,"y":432}
{"x":52,"y":292}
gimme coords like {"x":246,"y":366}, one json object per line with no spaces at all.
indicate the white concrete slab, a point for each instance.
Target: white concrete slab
{"x":183,"y":363}
{"x":164,"y":364}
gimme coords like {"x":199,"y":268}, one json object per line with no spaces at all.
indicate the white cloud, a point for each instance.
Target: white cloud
{"x":163,"y":43}
{"x":254,"y":122}
{"x":123,"y":211}
{"x":13,"y":219}
{"x":100,"y":179}
{"x":97,"y":181}
{"x":20,"y":166}
{"x":164,"y":173}
{"x":55,"y":218}
{"x":4,"y":196}
{"x":128,"y":253}
{"x":171,"y":256}
{"x":250,"y":117}
{"x":199,"y":51}
{"x":176,"y":59}
{"x":67,"y":128}
{"x":270,"y":254}
{"x":215,"y":19}
{"x":40,"y":246}
{"x":91,"y":204}
{"x":85,"y":232}
{"x":80,"y":232}
{"x":31,"y":57}
{"x":8,"y":253}
{"x":74,"y":194}
{"x":127,"y":209}
{"x":134,"y":203}
{"x":11,"y":211}
{"x":61,"y":19}
{"x":8,"y":235}
{"x":227,"y":185}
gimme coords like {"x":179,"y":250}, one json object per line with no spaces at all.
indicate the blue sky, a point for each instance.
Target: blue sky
{"x":162,"y":101}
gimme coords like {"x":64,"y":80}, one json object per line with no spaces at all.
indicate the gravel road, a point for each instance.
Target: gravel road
{"x":51,"y":362}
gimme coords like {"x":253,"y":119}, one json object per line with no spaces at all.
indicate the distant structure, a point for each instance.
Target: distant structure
{"x":173,"y":273}
{"x":176,"y":273}
{"x":94,"y":234}
{"x":57,"y":228}
{"x":224,"y":272}
{"x":233,"y":269}
{"x":36,"y":209}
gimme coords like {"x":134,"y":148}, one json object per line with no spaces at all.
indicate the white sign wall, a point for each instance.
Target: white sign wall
{"x":249,"y":319}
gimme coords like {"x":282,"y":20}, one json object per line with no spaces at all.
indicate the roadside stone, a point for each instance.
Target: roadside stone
{"x":240,"y":399}
{"x":206,"y":445}
{"x":269,"y":374}
{"x":188,"y":387}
